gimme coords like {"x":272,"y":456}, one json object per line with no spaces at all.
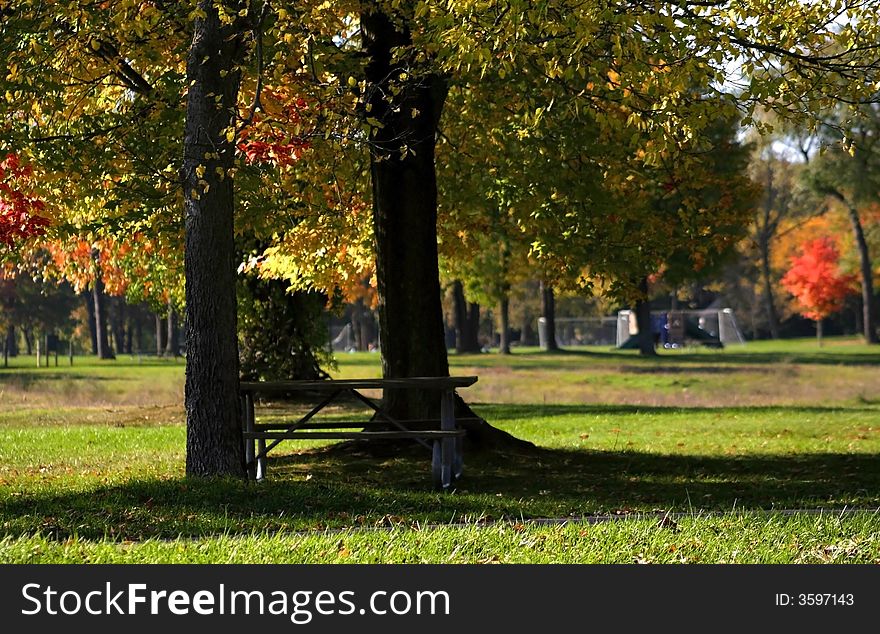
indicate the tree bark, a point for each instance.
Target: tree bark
{"x":819,"y":332}
{"x":214,"y":444}
{"x":504,"y":318}
{"x":100,"y":300}
{"x":404,"y":187}
{"x":548,"y":312}
{"x":643,"y":320}
{"x":93,"y":330}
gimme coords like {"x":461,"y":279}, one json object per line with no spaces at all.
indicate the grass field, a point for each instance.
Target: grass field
{"x":698,"y":456}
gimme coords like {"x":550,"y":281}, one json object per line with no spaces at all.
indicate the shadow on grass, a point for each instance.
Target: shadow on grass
{"x":335,"y":488}
{"x":564,"y":358}
{"x":510,"y":411}
{"x":26,"y":378}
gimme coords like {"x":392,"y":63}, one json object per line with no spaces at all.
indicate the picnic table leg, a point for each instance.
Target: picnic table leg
{"x":443,"y":458}
{"x":249,"y":453}
{"x":261,"y":461}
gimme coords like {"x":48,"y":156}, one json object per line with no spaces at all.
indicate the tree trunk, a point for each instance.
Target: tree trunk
{"x":214,"y":444}
{"x":459,"y":315}
{"x":643,"y":320}
{"x":404,"y":188}
{"x":866,"y":274}
{"x":28,"y":340}
{"x":504,"y":318}
{"x":129,"y":332}
{"x":93,"y":329}
{"x":100,"y":299}
{"x":161,"y":333}
{"x":769,"y":300}
{"x":548,"y":312}
{"x":119,"y":324}
{"x":819,"y":332}
{"x":527,"y":333}
{"x":172,"y":344}
{"x":467,"y":321}
{"x":11,"y":341}
{"x":472,"y":340}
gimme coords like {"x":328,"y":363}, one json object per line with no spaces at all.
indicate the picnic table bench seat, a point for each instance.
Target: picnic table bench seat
{"x":442,"y":436}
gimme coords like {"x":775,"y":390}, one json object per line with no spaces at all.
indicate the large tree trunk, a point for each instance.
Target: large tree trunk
{"x":101,"y":310}
{"x":548,"y":312}
{"x":643,"y":320}
{"x":214,"y":444}
{"x":404,"y":188}
{"x":90,"y":309}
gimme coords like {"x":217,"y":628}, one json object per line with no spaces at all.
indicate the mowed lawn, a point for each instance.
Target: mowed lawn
{"x":768,"y":452}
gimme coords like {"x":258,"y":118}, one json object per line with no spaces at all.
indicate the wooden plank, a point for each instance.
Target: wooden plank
{"x":268,"y":387}
{"x":356,"y":424}
{"x":430,"y":434}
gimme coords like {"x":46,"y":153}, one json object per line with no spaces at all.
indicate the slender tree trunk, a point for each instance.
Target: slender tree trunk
{"x":119,"y":324}
{"x":138,"y":344}
{"x":404,"y":188}
{"x":28,"y":340}
{"x":819,"y":332}
{"x":161,"y":333}
{"x":472,"y":338}
{"x":548,"y":312}
{"x":527,"y":333}
{"x":214,"y":444}
{"x":643,"y":320}
{"x":129,"y":333}
{"x":100,"y":299}
{"x":504,"y":318}
{"x":769,"y":300}
{"x":459,"y":315}
{"x":93,"y":328}
{"x":11,"y":341}
{"x":866,"y":273}
{"x":172,"y":344}
{"x":467,"y":321}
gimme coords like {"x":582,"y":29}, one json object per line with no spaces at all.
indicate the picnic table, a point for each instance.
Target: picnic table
{"x":442,"y":437}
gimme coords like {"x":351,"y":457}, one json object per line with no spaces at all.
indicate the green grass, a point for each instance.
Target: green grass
{"x":91,"y":466}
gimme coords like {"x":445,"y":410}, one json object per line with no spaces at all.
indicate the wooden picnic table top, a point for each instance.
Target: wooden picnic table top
{"x":330,"y":385}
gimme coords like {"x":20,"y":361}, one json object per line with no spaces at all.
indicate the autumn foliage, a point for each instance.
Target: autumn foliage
{"x":20,"y":212}
{"x":815,"y":279}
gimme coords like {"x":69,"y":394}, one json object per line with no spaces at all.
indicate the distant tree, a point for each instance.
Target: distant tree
{"x":816,"y":281}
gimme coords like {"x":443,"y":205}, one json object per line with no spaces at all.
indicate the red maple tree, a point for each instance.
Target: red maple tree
{"x":19,"y":212}
{"x":816,"y":282}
